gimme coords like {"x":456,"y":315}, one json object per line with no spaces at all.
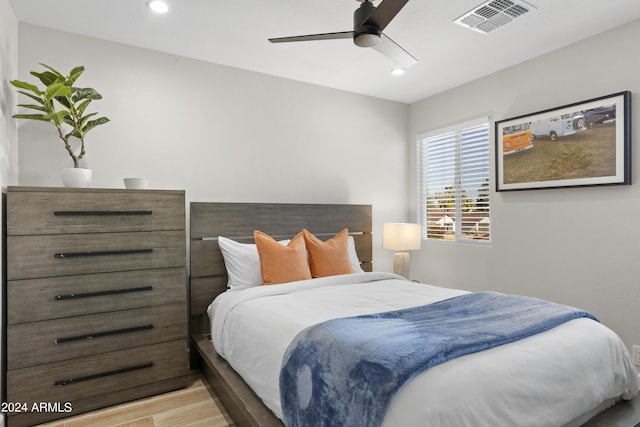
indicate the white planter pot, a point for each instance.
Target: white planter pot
{"x":76,"y":177}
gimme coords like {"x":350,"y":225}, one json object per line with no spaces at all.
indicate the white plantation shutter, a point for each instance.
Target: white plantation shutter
{"x":454,"y":183}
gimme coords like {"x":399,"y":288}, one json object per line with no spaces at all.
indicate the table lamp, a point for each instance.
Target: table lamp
{"x":403,"y":237}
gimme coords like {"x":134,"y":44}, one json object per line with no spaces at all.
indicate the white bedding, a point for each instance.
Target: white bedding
{"x":550,"y":379}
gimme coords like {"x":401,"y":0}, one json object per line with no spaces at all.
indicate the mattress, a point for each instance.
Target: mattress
{"x":550,"y":379}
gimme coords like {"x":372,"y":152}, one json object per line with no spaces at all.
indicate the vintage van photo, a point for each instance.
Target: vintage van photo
{"x":516,"y":138}
{"x":558,"y":126}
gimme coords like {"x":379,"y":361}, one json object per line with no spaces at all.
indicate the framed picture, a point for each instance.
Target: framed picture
{"x":586,"y":143}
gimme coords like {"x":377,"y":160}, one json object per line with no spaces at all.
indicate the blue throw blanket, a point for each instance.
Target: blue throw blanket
{"x":345,"y":372}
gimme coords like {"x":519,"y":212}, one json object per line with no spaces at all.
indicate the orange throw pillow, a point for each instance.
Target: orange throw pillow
{"x":328,"y":258}
{"x":280,"y":263}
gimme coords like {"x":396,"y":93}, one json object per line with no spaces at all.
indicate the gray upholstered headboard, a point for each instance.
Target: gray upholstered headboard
{"x":237,"y":221}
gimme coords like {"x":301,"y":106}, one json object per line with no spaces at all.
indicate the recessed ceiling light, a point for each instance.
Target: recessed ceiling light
{"x":158,"y":6}
{"x":397,"y":71}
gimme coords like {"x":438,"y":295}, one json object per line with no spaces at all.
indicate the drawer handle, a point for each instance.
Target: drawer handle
{"x":68,"y":381}
{"x":102,"y":213}
{"x":102,"y":293}
{"x":103,"y":334}
{"x":101,"y":253}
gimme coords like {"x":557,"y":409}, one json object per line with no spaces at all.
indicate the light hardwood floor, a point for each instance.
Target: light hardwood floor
{"x":190,"y":407}
{"x":197,"y":406}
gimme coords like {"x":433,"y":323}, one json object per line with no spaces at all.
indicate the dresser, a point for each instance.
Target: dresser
{"x":94,"y":299}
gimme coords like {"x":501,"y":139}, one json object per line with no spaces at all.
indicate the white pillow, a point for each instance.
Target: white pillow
{"x":353,"y":256}
{"x":243,"y":263}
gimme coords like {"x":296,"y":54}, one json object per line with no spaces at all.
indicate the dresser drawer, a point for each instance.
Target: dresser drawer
{"x":56,"y":212}
{"x":31,"y":257}
{"x":96,"y":375}
{"x":31,"y":300}
{"x":30,"y":344}
{"x":95,"y":287}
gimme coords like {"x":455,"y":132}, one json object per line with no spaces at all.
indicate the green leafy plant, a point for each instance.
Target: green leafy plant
{"x":61,"y":102}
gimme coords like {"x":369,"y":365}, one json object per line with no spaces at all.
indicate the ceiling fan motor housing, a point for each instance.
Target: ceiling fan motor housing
{"x":364,"y":35}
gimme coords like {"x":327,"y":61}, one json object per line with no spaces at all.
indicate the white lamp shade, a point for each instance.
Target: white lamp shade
{"x":401,"y":236}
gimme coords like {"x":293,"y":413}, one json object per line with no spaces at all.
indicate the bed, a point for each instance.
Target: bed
{"x":543,"y":373}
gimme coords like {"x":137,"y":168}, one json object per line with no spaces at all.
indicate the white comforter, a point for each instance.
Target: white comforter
{"x":556,"y":378}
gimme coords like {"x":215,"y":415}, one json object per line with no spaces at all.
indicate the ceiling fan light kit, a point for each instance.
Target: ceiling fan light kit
{"x":366,"y":39}
{"x":368,"y":23}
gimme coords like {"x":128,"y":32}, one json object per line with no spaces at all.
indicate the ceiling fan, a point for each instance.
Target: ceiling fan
{"x":368,"y":23}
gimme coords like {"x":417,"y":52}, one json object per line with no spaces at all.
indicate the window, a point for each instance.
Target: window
{"x":453,"y":174}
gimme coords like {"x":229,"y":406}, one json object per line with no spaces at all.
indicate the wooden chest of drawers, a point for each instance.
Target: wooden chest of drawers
{"x":95,"y":299}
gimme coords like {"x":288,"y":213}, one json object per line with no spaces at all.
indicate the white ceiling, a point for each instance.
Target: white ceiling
{"x":235,"y":32}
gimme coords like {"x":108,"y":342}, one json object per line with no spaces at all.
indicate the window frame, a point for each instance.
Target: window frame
{"x":423,"y":197}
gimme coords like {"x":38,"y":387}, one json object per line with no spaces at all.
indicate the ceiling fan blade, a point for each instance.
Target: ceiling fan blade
{"x":324,"y":36}
{"x":393,"y":51}
{"x":384,"y":13}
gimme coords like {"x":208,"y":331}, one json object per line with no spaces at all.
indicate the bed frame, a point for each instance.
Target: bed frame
{"x":208,"y":278}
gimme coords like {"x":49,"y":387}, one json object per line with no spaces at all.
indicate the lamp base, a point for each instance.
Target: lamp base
{"x":401,"y":264}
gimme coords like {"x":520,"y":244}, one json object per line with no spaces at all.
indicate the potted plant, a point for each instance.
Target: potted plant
{"x":63,"y":105}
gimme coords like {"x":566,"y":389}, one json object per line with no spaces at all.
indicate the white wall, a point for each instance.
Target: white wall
{"x":8,"y":129}
{"x":575,"y":246}
{"x":231,"y":135}
{"x":8,"y":71}
{"x":221,"y":133}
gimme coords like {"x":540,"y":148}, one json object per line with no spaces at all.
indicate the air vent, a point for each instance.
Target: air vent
{"x":493,"y":14}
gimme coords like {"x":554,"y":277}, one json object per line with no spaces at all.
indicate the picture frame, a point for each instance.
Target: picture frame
{"x":586,"y":143}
